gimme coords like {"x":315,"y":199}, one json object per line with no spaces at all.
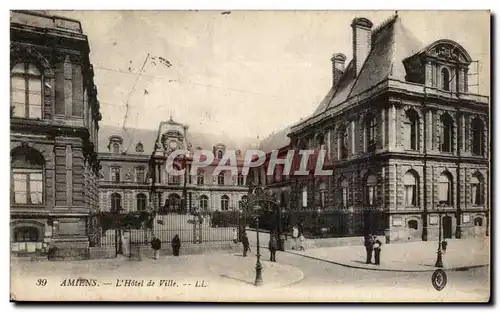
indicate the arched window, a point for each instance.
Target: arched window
{"x":27,"y":185}
{"x":446,"y":189}
{"x":342,"y":142}
{"x":344,"y":190}
{"x":26,"y":91}
{"x":116,"y":203}
{"x":412,"y":130}
{"x":413,"y":224}
{"x":304,"y":196}
{"x":445,"y":79}
{"x":175,"y":178}
{"x":478,"y":221}
{"x":370,"y":133}
{"x":200,"y":179}
{"x":410,"y":181}
{"x":477,"y":189}
{"x":115,"y":174}
{"x":241,"y":179}
{"x":447,"y":133}
{"x":219,"y":154}
{"x":322,"y":194}
{"x":141,"y":202}
{"x":139,"y":148}
{"x":370,"y":189}
{"x":224,"y":202}
{"x":203,"y":203}
{"x":116,"y":148}
{"x":477,"y":129}
{"x":139,"y":174}
{"x":220,"y":178}
{"x":26,"y":234}
{"x":320,"y":141}
{"x":173,"y":203}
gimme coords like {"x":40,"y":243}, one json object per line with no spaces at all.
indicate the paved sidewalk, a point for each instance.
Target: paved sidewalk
{"x":220,"y":269}
{"x":408,"y":257}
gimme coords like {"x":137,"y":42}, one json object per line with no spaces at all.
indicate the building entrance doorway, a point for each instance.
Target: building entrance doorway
{"x":447,"y":224}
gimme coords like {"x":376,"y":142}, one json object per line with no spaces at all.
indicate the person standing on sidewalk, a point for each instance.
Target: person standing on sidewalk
{"x":377,"y":244}
{"x":235,"y":236}
{"x":156,"y":245}
{"x":176,"y":245}
{"x":246,"y":244}
{"x":369,"y":248}
{"x":295,"y":236}
{"x":302,"y":242}
{"x":273,"y":246}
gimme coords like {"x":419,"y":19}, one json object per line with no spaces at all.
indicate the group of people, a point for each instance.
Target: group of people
{"x":373,"y":244}
{"x":156,"y":245}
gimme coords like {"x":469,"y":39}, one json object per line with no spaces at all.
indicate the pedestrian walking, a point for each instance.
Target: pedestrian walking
{"x":273,"y":246}
{"x":369,"y":248}
{"x":295,"y":236}
{"x":176,"y":245}
{"x":302,"y":241}
{"x":246,"y":244}
{"x":377,"y":244}
{"x":156,"y":245}
{"x":235,"y":236}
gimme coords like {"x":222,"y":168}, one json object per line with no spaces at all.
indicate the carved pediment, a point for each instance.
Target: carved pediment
{"x":448,"y":50}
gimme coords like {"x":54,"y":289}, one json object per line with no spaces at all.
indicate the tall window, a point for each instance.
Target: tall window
{"x":342,"y":143}
{"x":445,"y":79}
{"x":27,"y":176}
{"x":219,"y":154}
{"x":116,"y":202}
{"x":445,"y":189}
{"x":411,"y":188}
{"x":26,"y":91}
{"x":477,"y":129}
{"x":370,"y":189}
{"x":370,"y":132}
{"x":320,"y":141}
{"x":203,"y":203}
{"x":220,"y":178}
{"x":173,"y":203}
{"x":304,"y":196}
{"x":477,"y":189}
{"x":224,"y":202}
{"x":447,"y":133}
{"x":200,"y":178}
{"x":141,"y":202}
{"x":412,"y":130}
{"x":241,"y":179}
{"x":322,"y":194}
{"x":116,"y":148}
{"x":115,"y":174}
{"x":344,"y":190}
{"x":174,"y":178}
{"x":139,"y":174}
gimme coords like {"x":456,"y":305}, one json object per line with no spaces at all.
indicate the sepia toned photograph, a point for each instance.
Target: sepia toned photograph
{"x":250,"y":156}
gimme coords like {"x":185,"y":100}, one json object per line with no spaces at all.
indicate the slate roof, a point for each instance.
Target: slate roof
{"x":276,"y":141}
{"x":391,"y":44}
{"x":131,"y":137}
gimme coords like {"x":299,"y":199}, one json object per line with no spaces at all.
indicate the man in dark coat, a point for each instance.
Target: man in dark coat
{"x":176,"y":245}
{"x":156,"y":245}
{"x":246,"y":244}
{"x":273,"y":246}
{"x":377,"y":245}
{"x":369,"y":248}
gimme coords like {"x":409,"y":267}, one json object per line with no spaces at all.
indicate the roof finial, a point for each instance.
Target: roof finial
{"x":171,"y":115}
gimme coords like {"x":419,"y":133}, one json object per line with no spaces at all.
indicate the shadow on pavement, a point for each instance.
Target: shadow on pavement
{"x":236,"y":279}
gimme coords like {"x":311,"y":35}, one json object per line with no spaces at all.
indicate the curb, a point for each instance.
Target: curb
{"x":464,"y":268}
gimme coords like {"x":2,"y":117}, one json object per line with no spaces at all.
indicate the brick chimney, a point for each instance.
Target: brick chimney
{"x":338,"y":66}
{"x":361,"y":41}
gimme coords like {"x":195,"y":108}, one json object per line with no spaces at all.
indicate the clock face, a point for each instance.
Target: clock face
{"x":172,"y":144}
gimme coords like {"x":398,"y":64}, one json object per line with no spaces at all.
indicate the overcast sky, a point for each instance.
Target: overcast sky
{"x":242,"y":74}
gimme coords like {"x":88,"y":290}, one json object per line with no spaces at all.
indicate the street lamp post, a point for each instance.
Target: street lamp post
{"x":258,"y":265}
{"x":439,"y":260}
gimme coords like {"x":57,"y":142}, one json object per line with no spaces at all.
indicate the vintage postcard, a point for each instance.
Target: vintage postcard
{"x":250,"y":156}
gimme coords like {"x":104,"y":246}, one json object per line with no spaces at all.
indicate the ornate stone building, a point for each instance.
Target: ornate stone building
{"x":406,"y":139}
{"x":133,"y":161}
{"x":54,"y":126}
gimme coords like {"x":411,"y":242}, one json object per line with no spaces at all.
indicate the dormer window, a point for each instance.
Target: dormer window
{"x":219,"y":154}
{"x":445,"y":79}
{"x":139,"y":148}
{"x":116,"y":148}
{"x":115,"y":143}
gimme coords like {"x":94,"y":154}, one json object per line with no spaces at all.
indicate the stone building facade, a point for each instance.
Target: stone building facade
{"x":54,"y":132}
{"x":133,"y":163}
{"x":406,"y":140}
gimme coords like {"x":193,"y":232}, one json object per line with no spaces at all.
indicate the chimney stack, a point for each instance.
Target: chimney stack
{"x":338,"y":66}
{"x":361,"y":41}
